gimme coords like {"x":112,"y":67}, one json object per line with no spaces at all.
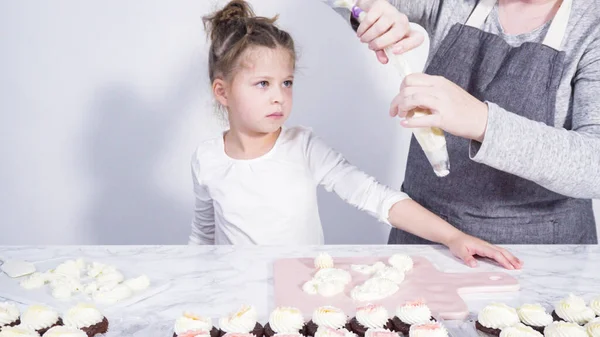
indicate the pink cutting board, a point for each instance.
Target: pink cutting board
{"x":440,"y":290}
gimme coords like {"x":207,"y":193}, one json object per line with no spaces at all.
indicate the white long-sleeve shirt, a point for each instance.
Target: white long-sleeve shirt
{"x":273,"y":199}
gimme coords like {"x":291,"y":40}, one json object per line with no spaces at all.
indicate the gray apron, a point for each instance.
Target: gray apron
{"x":490,"y":204}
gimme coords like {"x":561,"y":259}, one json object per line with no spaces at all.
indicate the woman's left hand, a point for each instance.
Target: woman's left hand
{"x":452,"y":109}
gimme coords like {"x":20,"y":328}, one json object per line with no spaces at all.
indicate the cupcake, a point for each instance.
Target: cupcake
{"x":431,"y":329}
{"x":535,"y":316}
{"x":329,"y":332}
{"x":285,"y":320}
{"x":18,"y":331}
{"x":9,"y":314}
{"x":495,"y":317}
{"x":244,"y":320}
{"x":380,"y":333}
{"x":199,"y":325}
{"x":370,"y":317}
{"x":520,"y":330}
{"x":327,"y":317}
{"x":87,"y":318}
{"x":40,"y":318}
{"x":593,"y":328}
{"x":595,"y":305}
{"x":573,"y":309}
{"x":201,"y":333}
{"x":410,"y":313}
{"x":563,"y":329}
{"x":63,"y":331}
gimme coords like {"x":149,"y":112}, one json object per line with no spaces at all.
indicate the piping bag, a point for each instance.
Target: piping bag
{"x":431,"y":140}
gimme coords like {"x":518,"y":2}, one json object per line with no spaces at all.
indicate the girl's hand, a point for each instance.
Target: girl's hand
{"x":453,"y":109}
{"x":384,"y":26}
{"x":466,"y":247}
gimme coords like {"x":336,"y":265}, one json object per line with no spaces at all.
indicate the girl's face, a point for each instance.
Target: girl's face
{"x":259,"y":96}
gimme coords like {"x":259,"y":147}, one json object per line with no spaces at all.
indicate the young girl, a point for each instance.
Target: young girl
{"x":257,"y":184}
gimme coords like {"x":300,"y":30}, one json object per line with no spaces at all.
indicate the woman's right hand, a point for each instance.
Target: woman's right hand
{"x":384,"y":26}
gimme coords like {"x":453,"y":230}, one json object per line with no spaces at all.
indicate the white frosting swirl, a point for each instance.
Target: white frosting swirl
{"x":82,"y":316}
{"x":115,"y":295}
{"x":17,"y":331}
{"x":519,"y":330}
{"x":414,"y":313}
{"x":241,"y":321}
{"x":191,"y":322}
{"x":429,"y":329}
{"x":573,"y":309}
{"x":34,"y":281}
{"x":38,"y":317}
{"x":498,"y":316}
{"x":330,"y":317}
{"x":401,"y":262}
{"x":62,"y":292}
{"x":323,"y":260}
{"x":324,"y":331}
{"x":593,"y":328}
{"x":139,"y":283}
{"x":368,"y":269}
{"x":286,"y":320}
{"x":330,"y":288}
{"x":380,"y":333}
{"x":391,"y":273}
{"x":564,"y":329}
{"x":113,"y":276}
{"x":9,"y":313}
{"x":63,"y":331}
{"x":333,"y":274}
{"x":534,"y":315}
{"x":372,"y":316}
{"x":374,"y":289}
{"x":595,"y":305}
{"x":311,"y":287}
{"x":95,"y":269}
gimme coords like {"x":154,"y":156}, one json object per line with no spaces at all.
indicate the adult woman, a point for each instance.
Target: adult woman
{"x":516,"y":86}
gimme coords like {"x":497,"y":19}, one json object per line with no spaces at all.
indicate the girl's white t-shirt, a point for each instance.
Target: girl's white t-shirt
{"x":272,"y":200}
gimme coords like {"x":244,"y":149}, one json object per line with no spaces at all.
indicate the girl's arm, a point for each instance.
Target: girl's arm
{"x":203,"y":225}
{"x":392,"y":207}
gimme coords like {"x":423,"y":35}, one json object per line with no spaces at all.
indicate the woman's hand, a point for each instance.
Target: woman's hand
{"x":384,"y":26}
{"x":466,"y":247}
{"x":452,"y":109}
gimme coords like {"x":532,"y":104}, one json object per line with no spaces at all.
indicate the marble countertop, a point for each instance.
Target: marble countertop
{"x":215,"y":280}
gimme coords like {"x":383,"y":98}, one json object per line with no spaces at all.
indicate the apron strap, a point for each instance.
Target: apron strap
{"x":555,"y":34}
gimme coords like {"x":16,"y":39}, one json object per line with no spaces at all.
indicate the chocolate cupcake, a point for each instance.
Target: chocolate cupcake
{"x":520,"y":330}
{"x":242,"y":321}
{"x":370,"y":317}
{"x":561,"y":329}
{"x":20,"y":331}
{"x":431,"y":329}
{"x":329,"y":332}
{"x":573,"y":309}
{"x":88,"y":318}
{"x":40,"y":318}
{"x":534,"y":316}
{"x":64,"y":331}
{"x":194,"y":324}
{"x":9,"y":315}
{"x":328,"y":317}
{"x":285,"y":320}
{"x":495,"y":317}
{"x":415,"y":312}
{"x":593,"y":327}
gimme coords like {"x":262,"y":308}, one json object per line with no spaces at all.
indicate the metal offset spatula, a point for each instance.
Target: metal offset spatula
{"x":16,"y":268}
